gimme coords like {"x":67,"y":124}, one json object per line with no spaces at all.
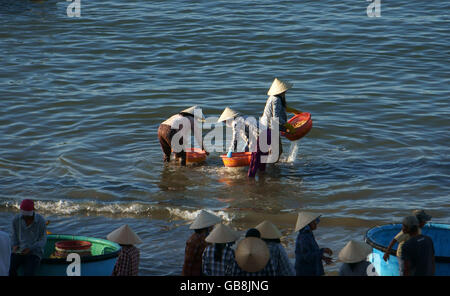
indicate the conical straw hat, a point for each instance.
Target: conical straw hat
{"x":204,"y":220}
{"x":304,"y":218}
{"x":124,"y":235}
{"x":252,"y":254}
{"x":278,"y":87}
{"x":354,"y":252}
{"x":268,"y":230}
{"x":222,"y":234}
{"x":228,"y":113}
{"x":191,"y":110}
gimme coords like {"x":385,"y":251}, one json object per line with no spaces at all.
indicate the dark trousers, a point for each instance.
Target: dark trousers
{"x":255,"y":161}
{"x":29,"y":263}
{"x":165,"y":134}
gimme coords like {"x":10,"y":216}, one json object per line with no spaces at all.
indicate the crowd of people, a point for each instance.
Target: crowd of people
{"x":215,"y":249}
{"x":212,"y":250}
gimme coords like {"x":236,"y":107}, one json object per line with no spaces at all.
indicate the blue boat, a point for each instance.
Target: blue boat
{"x":100,"y":263}
{"x":380,"y":237}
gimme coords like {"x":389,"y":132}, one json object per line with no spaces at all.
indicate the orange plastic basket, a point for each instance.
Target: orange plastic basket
{"x":195,"y":155}
{"x":238,"y":159}
{"x":302,"y":123}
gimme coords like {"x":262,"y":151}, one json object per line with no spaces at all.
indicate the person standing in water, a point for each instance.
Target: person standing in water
{"x":176,"y":124}
{"x":246,"y":130}
{"x":275,"y":110}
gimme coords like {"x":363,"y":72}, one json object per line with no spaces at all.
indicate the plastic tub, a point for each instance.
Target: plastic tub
{"x":195,"y":155}
{"x":302,"y":123}
{"x":63,"y":248}
{"x":238,"y":159}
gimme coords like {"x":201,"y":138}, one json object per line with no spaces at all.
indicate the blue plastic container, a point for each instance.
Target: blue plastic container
{"x":380,"y":237}
{"x":101,"y":263}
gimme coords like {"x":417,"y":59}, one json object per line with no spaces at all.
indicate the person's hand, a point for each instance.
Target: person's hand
{"x":15,"y":248}
{"x":328,"y":251}
{"x":25,"y":251}
{"x":327,"y":260}
{"x":386,"y":256}
{"x":289,"y":128}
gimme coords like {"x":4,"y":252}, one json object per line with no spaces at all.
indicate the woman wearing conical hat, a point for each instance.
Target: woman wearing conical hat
{"x":276,"y":108}
{"x":243,"y":128}
{"x":196,"y":244}
{"x":174,"y":125}
{"x":252,"y":257}
{"x":271,"y":235}
{"x":219,"y":255}
{"x":308,"y":255}
{"x":354,"y":260}
{"x":128,"y":261}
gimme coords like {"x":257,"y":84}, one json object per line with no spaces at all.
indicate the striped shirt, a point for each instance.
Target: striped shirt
{"x":274,"y":111}
{"x":280,"y":260}
{"x":211,"y":267}
{"x":128,"y":262}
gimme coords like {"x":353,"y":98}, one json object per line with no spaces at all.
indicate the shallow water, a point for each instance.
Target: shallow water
{"x":81,"y":100}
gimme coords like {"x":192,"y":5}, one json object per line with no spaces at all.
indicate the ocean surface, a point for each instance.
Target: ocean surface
{"x":81,"y":100}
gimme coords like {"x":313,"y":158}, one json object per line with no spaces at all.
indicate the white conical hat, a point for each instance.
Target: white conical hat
{"x":354,"y":252}
{"x":278,"y":87}
{"x":304,"y":218}
{"x":222,"y":234}
{"x":124,"y":235}
{"x":191,"y":110}
{"x":228,"y":113}
{"x":268,"y":230}
{"x":204,"y":220}
{"x":252,"y":254}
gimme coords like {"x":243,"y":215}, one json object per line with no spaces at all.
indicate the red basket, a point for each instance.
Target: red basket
{"x":304,"y":125}
{"x":238,"y":159}
{"x":195,"y":155}
{"x":63,"y":248}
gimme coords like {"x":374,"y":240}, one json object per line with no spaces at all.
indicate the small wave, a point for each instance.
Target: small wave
{"x":133,"y":209}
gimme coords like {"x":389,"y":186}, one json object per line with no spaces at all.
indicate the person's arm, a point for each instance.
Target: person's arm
{"x":292,"y":110}
{"x":388,"y":250}
{"x":277,"y":108}
{"x":42,"y":239}
{"x":15,"y":236}
{"x":235,"y":136}
{"x":304,"y":250}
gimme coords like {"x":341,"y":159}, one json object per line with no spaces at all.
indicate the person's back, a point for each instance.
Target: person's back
{"x":280,"y":259}
{"x":419,"y":254}
{"x":216,"y":259}
{"x":5,"y":253}
{"x":354,"y":269}
{"x":128,"y":261}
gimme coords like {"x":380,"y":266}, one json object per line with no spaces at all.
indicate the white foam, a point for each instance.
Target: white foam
{"x":293,"y":151}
